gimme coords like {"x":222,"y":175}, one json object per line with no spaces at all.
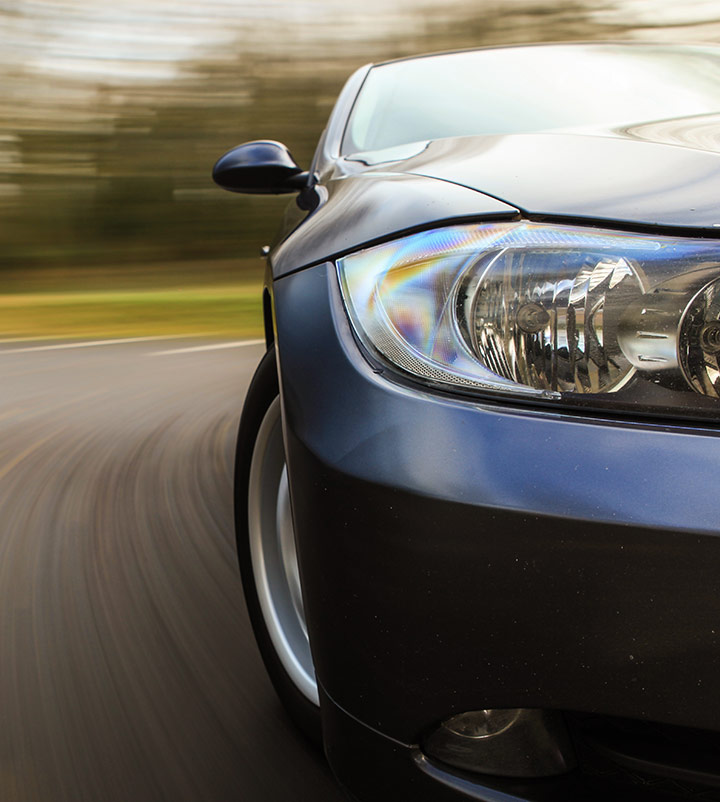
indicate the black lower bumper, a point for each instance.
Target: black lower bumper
{"x":373,"y":767}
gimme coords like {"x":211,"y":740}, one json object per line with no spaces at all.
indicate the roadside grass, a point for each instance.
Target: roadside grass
{"x":220,"y":300}
{"x":217,"y":311}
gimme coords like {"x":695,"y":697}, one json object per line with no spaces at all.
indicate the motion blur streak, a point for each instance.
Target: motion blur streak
{"x":111,"y":113}
{"x":213,"y":347}
{"x":83,"y":344}
{"x":127,"y":667}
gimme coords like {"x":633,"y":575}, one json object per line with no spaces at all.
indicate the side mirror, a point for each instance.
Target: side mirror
{"x":259,"y":168}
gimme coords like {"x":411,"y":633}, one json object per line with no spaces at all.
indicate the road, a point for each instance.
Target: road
{"x":128,"y":670}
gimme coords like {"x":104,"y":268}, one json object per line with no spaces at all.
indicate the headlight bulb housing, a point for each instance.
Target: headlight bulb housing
{"x":570,"y":315}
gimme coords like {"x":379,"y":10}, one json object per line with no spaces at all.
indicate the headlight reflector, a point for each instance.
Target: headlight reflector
{"x":549,"y":320}
{"x":548,"y":311}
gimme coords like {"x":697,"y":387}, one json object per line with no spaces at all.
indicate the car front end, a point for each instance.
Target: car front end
{"x":498,"y":359}
{"x":460,"y":554}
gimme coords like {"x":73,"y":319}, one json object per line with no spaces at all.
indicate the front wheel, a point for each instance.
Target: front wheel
{"x":266,"y":550}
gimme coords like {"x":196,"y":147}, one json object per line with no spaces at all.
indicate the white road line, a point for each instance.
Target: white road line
{"x":213,"y":347}
{"x":93,"y":343}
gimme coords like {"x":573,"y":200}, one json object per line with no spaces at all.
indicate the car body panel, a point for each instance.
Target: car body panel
{"x":609,"y":178}
{"x":461,"y":555}
{"x":358,"y":210}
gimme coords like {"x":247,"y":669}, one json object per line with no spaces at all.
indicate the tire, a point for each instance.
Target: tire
{"x":266,"y":551}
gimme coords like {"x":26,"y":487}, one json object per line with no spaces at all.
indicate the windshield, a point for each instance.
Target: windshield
{"x":524,"y":89}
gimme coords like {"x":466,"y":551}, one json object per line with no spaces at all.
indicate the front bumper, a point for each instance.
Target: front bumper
{"x":372,"y":766}
{"x":460,"y":555}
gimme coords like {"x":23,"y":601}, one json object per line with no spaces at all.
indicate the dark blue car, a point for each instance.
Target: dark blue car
{"x":478,"y":469}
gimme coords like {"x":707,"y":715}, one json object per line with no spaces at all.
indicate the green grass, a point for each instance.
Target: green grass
{"x":232,"y":310}
{"x":216,"y":298}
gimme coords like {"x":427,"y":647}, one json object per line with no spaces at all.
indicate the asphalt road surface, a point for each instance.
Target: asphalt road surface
{"x":128,"y":670}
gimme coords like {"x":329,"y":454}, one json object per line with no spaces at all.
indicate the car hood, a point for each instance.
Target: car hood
{"x":658,"y":174}
{"x":664,"y":174}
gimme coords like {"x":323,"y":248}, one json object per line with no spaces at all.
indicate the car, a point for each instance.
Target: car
{"x":478,"y":467}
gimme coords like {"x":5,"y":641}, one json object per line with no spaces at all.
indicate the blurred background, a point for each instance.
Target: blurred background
{"x":127,"y":668}
{"x":112,"y":113}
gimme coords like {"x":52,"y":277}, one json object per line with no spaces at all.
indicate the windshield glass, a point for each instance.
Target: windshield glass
{"x":523,"y":89}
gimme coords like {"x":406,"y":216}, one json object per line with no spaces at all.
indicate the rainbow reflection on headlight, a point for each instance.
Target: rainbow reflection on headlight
{"x":542,"y":310}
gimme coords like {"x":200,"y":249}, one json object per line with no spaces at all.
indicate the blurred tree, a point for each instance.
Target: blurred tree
{"x":116,"y":172}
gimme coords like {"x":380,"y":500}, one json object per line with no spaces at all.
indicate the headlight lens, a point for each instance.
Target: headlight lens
{"x":562,"y":313}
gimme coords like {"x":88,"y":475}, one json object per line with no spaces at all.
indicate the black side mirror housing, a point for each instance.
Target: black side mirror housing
{"x":263,"y":167}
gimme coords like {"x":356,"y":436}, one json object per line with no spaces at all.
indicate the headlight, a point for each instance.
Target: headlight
{"x":560,"y":313}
